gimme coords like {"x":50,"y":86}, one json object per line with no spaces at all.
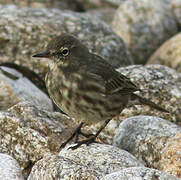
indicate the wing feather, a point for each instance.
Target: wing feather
{"x":113,"y":81}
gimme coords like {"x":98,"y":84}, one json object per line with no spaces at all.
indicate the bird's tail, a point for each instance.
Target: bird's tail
{"x":135,"y":99}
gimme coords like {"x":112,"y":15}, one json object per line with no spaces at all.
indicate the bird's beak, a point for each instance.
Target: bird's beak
{"x":43,"y":55}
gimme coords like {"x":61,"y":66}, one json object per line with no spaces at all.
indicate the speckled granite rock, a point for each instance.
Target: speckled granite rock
{"x":75,"y":5}
{"x":144,"y":26}
{"x":159,"y":84}
{"x":105,"y":15}
{"x":139,"y":173}
{"x":115,"y":3}
{"x":9,"y":168}
{"x":86,"y":162}
{"x":146,"y":137}
{"x":28,"y":133}
{"x":176,"y":9}
{"x":169,"y":53}
{"x":94,"y":4}
{"x":171,"y":156}
{"x":26,"y":31}
{"x":68,"y":4}
{"x":101,"y":157}
{"x":60,"y":168}
{"x":13,"y":91}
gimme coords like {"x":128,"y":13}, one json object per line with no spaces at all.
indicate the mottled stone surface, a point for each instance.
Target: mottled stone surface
{"x":101,"y":157}
{"x":59,"y":4}
{"x":115,"y":3}
{"x":176,"y":9}
{"x":168,"y":54}
{"x":105,"y":15}
{"x":19,"y":89}
{"x":58,"y":167}
{"x":28,"y":133}
{"x":146,"y":137}
{"x":144,"y":25}
{"x":75,"y":5}
{"x":171,"y":156}
{"x":139,"y":173}
{"x":9,"y":168}
{"x":95,"y":4}
{"x":159,"y":84}
{"x":26,"y":31}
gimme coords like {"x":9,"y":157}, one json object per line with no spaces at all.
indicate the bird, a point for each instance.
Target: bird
{"x":86,"y":87}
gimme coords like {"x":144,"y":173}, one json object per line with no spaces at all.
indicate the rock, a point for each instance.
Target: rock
{"x":168,"y":54}
{"x":9,"y":168}
{"x":144,"y":26}
{"x":99,"y":4}
{"x":87,"y":162}
{"x":171,"y":156}
{"x":115,"y":3}
{"x":176,"y":9}
{"x":146,"y":137}
{"x":28,"y":133}
{"x":139,"y":173}
{"x":19,"y":89}
{"x":58,"y":167}
{"x":101,"y":157}
{"x":159,"y":84}
{"x":68,"y":4}
{"x":29,"y":30}
{"x":105,"y":15}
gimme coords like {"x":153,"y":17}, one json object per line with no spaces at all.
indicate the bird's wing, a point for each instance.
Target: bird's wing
{"x":120,"y":83}
{"x":113,"y":80}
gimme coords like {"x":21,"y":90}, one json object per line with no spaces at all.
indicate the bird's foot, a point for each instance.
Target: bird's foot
{"x":76,"y":134}
{"x":87,"y":141}
{"x":79,"y":132}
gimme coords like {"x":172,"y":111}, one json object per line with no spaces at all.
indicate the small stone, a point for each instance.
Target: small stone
{"x":139,"y":173}
{"x":101,"y":157}
{"x":9,"y":168}
{"x":144,"y":25}
{"x":147,"y":138}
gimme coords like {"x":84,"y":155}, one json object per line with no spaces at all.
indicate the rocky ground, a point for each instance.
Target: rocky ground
{"x":140,"y":39}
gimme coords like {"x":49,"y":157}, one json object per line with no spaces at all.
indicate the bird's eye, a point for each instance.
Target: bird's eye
{"x":65,"y":51}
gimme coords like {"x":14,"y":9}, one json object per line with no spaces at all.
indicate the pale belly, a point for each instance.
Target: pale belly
{"x":84,"y":106}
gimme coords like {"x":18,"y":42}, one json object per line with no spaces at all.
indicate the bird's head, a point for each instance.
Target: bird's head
{"x":64,"y":50}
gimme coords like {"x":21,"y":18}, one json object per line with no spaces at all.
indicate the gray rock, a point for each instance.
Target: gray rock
{"x":99,"y":4}
{"x":176,"y":9}
{"x":144,"y":26}
{"x":168,"y":54}
{"x":28,"y":133}
{"x":115,"y":3}
{"x":13,"y":91}
{"x":161,"y":85}
{"x":9,"y":168}
{"x":68,"y":4}
{"x":29,"y":30}
{"x":145,"y":137}
{"x":58,"y":167}
{"x":139,"y":173}
{"x":105,"y":15}
{"x":101,"y":157}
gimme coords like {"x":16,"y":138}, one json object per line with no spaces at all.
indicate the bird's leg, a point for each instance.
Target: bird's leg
{"x":92,"y":138}
{"x":75,"y":133}
{"x":79,"y":132}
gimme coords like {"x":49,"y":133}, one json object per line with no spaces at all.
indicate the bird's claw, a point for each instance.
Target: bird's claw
{"x":86,"y":141}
